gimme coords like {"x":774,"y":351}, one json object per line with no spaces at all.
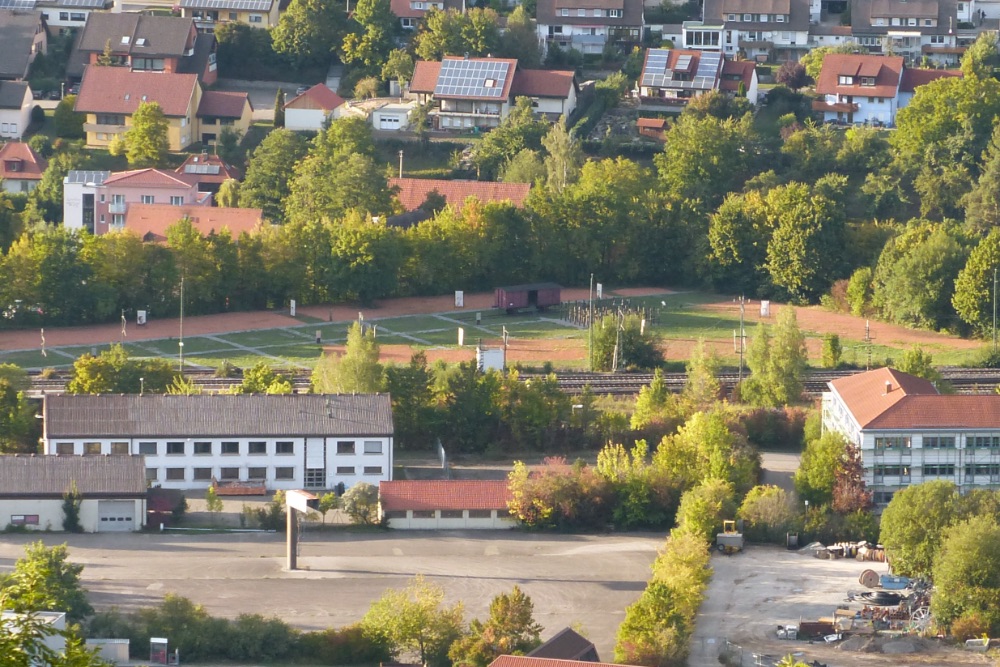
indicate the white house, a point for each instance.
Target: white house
{"x":16,"y":101}
{"x":445,"y":504}
{"x":671,"y":77}
{"x":313,"y":109}
{"x":392,"y":116}
{"x":774,"y":29}
{"x":21,"y":168}
{"x":80,"y":198}
{"x":66,"y":15}
{"x":589,"y":25}
{"x":907,"y":433}
{"x":112,"y":488}
{"x":293,"y":441}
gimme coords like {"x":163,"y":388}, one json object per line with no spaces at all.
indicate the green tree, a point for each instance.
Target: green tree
{"x":371,"y":45}
{"x":279,"y":109}
{"x":831,"y":351}
{"x":23,"y":643}
{"x":859,"y":290}
{"x":817,"y":473}
{"x":229,"y":194}
{"x":982,"y":57}
{"x":813,"y":61}
{"x":913,"y":525}
{"x":18,"y":429}
{"x":565,"y":155}
{"x":525,"y":167}
{"x":520,"y":40}
{"x":702,"y":389}
{"x":72,"y":500}
{"x":327,"y":502}
{"x":114,"y":372}
{"x":269,"y":173}
{"x":47,"y":198}
{"x":416,"y":621}
{"x":510,"y":630}
{"x":973,"y":297}
{"x":653,"y":403}
{"x":519,"y":130}
{"x":917,"y":362}
{"x":68,"y":123}
{"x":413,"y":411}
{"x":44,"y":579}
{"x":213,"y":503}
{"x":768,"y":513}
{"x":360,"y":503}
{"x":967,"y":573}
{"x":776,"y":364}
{"x":982,"y":203}
{"x":357,"y":371}
{"x":310,"y":32}
{"x":228,"y":147}
{"x":146,"y":143}
{"x":366,"y":87}
{"x":622,"y":343}
{"x":719,"y":105}
{"x":705,"y":507}
{"x":737,"y":254}
{"x":398,"y":66}
{"x":452,"y":32}
{"x":262,"y":379}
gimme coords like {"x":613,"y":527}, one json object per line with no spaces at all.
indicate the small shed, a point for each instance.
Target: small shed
{"x":534,"y":295}
{"x":441,"y":504}
{"x":393,"y":116}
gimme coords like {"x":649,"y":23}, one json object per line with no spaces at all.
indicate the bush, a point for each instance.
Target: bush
{"x":350,"y":645}
{"x":253,"y":637}
{"x":774,"y":428}
{"x":37,"y":115}
{"x":41,"y":144}
{"x":768,"y":513}
{"x":969,"y":625}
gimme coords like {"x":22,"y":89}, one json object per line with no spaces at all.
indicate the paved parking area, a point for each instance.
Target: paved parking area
{"x":573,"y":579}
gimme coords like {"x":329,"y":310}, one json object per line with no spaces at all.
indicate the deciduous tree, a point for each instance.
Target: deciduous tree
{"x":310,"y":31}
{"x":270,"y":171}
{"x":967,"y":573}
{"x":817,"y":473}
{"x":357,"y":371}
{"x":370,"y":44}
{"x":913,"y":525}
{"x":44,"y":579}
{"x":565,"y":156}
{"x":973,"y":297}
{"x":510,"y":630}
{"x":146,"y":142}
{"x":68,"y":123}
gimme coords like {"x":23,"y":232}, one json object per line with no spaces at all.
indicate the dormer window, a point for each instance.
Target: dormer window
{"x":747,"y":18}
{"x":867,"y":81}
{"x":12,"y":165}
{"x":845,"y":80}
{"x":615,"y":13}
{"x":565,"y":12}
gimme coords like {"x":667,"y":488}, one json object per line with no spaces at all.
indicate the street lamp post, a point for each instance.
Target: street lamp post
{"x":142,"y":385}
{"x":995,"y":309}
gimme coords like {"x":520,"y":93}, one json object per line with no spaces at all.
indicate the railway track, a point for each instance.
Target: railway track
{"x":964,"y":380}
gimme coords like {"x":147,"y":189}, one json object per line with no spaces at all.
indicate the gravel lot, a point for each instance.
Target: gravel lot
{"x":585,"y":580}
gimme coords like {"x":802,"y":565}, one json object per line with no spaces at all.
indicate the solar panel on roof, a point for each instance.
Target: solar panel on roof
{"x":93,"y":4}
{"x":683,"y":63}
{"x":656,"y":68}
{"x":17,"y":4}
{"x":239,"y":5}
{"x":472,"y":78}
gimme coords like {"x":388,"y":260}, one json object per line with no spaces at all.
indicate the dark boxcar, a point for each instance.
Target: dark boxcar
{"x":537,"y":295}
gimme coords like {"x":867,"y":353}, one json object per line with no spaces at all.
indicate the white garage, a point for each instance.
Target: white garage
{"x":392,"y":116}
{"x":112,"y":491}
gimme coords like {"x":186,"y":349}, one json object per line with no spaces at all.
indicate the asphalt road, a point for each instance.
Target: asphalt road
{"x":586,"y":581}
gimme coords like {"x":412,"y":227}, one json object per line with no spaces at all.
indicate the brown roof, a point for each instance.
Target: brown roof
{"x":907,"y":9}
{"x":886,"y":70}
{"x":425,"y":76}
{"x":548,"y":12}
{"x":525,"y":661}
{"x":156,"y":178}
{"x":146,"y":35}
{"x":735,"y":72}
{"x":937,"y":412}
{"x":17,"y":33}
{"x":543,"y":83}
{"x":403,"y":10}
{"x":118,"y":90}
{"x":206,"y":168}
{"x":224,"y":104}
{"x":840,"y":107}
{"x":51,"y":476}
{"x":567,"y":644}
{"x":31,"y":164}
{"x":413,"y":191}
{"x":150,"y":221}
{"x":319,"y":95}
{"x":652,"y":123}
{"x":444,"y":495}
{"x":757,"y":6}
{"x":913,"y":77}
{"x":866,"y":397}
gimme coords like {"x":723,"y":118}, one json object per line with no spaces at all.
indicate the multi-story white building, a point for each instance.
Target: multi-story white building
{"x":907,"y":433}
{"x":776,"y":29}
{"x":280,"y":441}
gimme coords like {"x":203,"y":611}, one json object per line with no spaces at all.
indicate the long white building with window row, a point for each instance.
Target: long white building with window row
{"x":908,"y":433}
{"x":282,"y":442}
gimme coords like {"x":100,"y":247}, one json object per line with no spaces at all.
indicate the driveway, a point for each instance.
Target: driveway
{"x":572,"y":579}
{"x":262,"y":94}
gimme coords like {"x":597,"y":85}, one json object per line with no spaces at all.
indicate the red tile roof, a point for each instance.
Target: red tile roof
{"x":886,"y":70}
{"x":118,"y":90}
{"x":320,"y":95}
{"x":865,"y":394}
{"x":425,"y":76}
{"x":206,"y":168}
{"x":542,"y":83}
{"x":744,"y":69}
{"x":937,"y":412}
{"x":155,"y":178}
{"x":31,"y":163}
{"x":413,"y":191}
{"x":224,"y":104}
{"x":525,"y":661}
{"x":652,"y":123}
{"x":444,"y":495}
{"x":150,"y":221}
{"x":913,"y":77}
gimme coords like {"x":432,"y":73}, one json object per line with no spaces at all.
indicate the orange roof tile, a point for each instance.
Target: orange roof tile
{"x":886,"y":70}
{"x":413,"y":191}
{"x":119,"y":90}
{"x":913,"y":77}
{"x":542,"y":83}
{"x":150,"y":221}
{"x":224,"y":104}
{"x":156,"y":178}
{"x":319,"y":94}
{"x":206,"y":168}
{"x":937,"y":412}
{"x":425,"y":76}
{"x":866,"y":397}
{"x":444,"y":495}
{"x":31,"y":164}
{"x":525,"y":661}
{"x":744,"y":69}
{"x":652,"y":123}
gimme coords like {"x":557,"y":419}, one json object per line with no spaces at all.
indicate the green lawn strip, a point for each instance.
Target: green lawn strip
{"x":413,"y":324}
{"x":304,"y":353}
{"x":446,"y":338}
{"x":192,"y":345}
{"x":262,"y":337}
{"x":213,"y":360}
{"x":34,"y":359}
{"x":540,"y":330}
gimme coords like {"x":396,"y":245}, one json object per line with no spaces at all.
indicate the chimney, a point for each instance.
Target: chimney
{"x":888,"y":387}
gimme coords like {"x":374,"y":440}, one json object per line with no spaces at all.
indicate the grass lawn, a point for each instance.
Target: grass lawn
{"x":432,"y":160}
{"x":192,"y":345}
{"x":263,"y":337}
{"x":414,"y":324}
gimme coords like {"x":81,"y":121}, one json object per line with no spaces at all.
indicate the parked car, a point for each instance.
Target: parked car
{"x":73,"y":90}
{"x":38,"y":94}
{"x":300,"y":90}
{"x":54,"y":95}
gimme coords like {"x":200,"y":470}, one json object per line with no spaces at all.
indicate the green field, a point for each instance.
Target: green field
{"x":679,"y":319}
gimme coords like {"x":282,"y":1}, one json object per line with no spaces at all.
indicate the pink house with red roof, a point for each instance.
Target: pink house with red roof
{"x":312,"y":109}
{"x":21,"y":168}
{"x":908,"y":433}
{"x":445,"y":504}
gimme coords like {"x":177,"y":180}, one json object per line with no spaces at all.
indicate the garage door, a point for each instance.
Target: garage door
{"x":116,"y":515}
{"x":388,"y":122}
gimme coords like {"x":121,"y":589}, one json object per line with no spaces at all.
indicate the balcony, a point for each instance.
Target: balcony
{"x":117,"y":208}
{"x":101,"y":127}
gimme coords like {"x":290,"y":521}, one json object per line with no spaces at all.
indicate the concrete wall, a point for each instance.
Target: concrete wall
{"x":498,"y":520}
{"x":13,"y":122}
{"x":50,"y":513}
{"x":305,"y":119}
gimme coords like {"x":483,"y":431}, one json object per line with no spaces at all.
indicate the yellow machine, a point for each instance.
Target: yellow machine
{"x":730,"y":540}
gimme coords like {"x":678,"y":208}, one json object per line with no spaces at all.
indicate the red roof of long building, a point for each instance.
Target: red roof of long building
{"x":444,"y":495}
{"x":914,"y":77}
{"x":525,"y":661}
{"x":413,"y":191}
{"x":150,"y":221}
{"x":118,"y":90}
{"x":886,"y":70}
{"x":869,"y":395}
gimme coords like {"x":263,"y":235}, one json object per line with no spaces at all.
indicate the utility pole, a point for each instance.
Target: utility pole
{"x":995,"y":309}
{"x":742,"y":335}
{"x":400,"y":163}
{"x":868,"y":344}
{"x":590,"y":320}
{"x":180,"y":342}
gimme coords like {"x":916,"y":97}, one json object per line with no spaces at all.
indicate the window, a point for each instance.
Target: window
{"x":892,"y":471}
{"x":91,"y":449}
{"x":937,"y":39}
{"x":928,"y":23}
{"x":961,"y":6}
{"x":845,"y":80}
{"x":990,"y":471}
{"x":176,"y":200}
{"x":373,"y":447}
{"x":882,"y":497}
{"x":879,"y":21}
{"x":110,"y":119}
{"x":581,"y":12}
{"x":284,"y":447}
{"x":984,"y":442}
{"x":871,"y":100}
{"x":148,"y":64}
{"x":257,"y":473}
{"x":175,"y":448}
{"x":175,"y":474}
{"x":899,"y":442}
{"x":780,"y":18}
{"x":152,"y":474}
{"x":896,"y":22}
{"x":345,"y":470}
{"x":230,"y":448}
{"x":257,"y":448}
{"x":345,"y":447}
{"x":202,"y":474}
{"x":423,"y":514}
{"x":763,"y":18}
{"x":64,"y":449}
{"x":147,"y":448}
{"x":119,"y":449}
{"x":939,"y":470}
{"x":24,"y":519}
{"x":373,"y":470}
{"x":564,"y":12}
{"x":315,"y":478}
{"x":118,"y":220}
{"x":480,"y":514}
{"x":256,"y":18}
{"x":395,"y":514}
{"x":731,"y":17}
{"x":64,"y":16}
{"x":202,"y":449}
{"x":284,"y":473}
{"x":233,"y":16}
{"x":939,"y":442}
{"x":229,"y":473}
{"x":911,"y":22}
{"x":747,"y":18}
{"x":615,"y":13}
{"x":452,"y":514}
{"x":598,"y":13}
{"x":147,"y":199}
